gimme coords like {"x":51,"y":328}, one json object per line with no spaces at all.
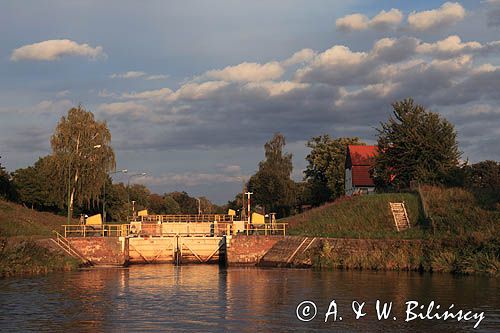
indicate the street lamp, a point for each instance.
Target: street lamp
{"x":128,"y":190}
{"x":199,"y":206}
{"x":248,"y":202}
{"x":69,"y":180}
{"x":104,"y":194}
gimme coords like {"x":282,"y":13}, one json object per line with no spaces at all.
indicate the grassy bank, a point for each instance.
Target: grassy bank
{"x":459,"y":257}
{"x":453,"y":232}
{"x":24,"y":245}
{"x":27,"y":256}
{"x":359,"y":217}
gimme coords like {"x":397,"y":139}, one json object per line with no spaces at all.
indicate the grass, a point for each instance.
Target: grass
{"x":456,"y":232}
{"x":359,"y":217}
{"x":24,"y":246}
{"x":16,"y":220}
{"x":26,"y":256}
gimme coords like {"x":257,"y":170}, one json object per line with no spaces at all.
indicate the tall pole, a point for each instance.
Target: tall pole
{"x":128,"y":190}
{"x":248,"y":204}
{"x":199,"y":206}
{"x":69,"y":192}
{"x":243,"y":199}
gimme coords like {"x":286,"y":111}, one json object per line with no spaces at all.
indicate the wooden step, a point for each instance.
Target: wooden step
{"x":401,"y":220}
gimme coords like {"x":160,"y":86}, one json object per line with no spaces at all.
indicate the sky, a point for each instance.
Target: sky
{"x":191,"y":90}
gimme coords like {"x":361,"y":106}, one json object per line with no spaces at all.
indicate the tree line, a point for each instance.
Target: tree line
{"x":415,"y":146}
{"x":75,"y":177}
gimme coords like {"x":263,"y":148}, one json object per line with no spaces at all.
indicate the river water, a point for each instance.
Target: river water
{"x":207,"y":298}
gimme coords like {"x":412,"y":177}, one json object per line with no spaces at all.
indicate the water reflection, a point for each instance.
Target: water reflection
{"x":206,"y":298}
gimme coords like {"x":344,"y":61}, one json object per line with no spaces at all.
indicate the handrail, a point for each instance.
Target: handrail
{"x":100,"y":230}
{"x":170,"y":229}
{"x":186,"y":218}
{"x":65,"y":245}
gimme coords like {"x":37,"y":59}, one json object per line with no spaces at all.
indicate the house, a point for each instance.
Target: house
{"x":359,"y":161}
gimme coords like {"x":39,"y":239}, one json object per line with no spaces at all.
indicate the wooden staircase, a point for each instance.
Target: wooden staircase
{"x":63,"y":243}
{"x":285,"y":251}
{"x":400,"y":216}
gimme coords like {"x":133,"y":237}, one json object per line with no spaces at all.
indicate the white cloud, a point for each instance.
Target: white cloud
{"x":352,"y":22}
{"x":127,"y":75}
{"x":277,"y":88}
{"x":449,"y":13}
{"x":149,"y":94}
{"x":389,"y":19}
{"x":157,"y":77}
{"x":63,"y":93}
{"x":302,"y":56}
{"x":450,"y":45}
{"x":383,"y":20}
{"x":50,"y":50}
{"x":248,"y":72}
{"x":194,"y":91}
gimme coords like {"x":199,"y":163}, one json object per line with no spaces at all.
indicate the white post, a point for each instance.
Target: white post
{"x":248,"y":206}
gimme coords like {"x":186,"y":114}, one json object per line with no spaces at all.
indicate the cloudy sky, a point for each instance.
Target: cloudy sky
{"x":191,"y":90}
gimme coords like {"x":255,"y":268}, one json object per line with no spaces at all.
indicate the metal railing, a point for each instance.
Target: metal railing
{"x":214,"y":229}
{"x":104,"y":230}
{"x":65,"y":245}
{"x":266,"y":229}
{"x":208,"y":218}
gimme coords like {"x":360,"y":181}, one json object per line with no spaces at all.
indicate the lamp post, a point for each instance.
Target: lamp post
{"x":199,"y":206}
{"x":248,"y":202}
{"x":69,"y":181}
{"x":128,"y":190}
{"x":104,"y":194}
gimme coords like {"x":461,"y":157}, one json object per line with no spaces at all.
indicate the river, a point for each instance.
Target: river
{"x":207,"y":298}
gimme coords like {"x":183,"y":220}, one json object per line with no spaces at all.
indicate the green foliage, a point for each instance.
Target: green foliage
{"x":272,"y":186}
{"x":483,"y":175}
{"x":34,"y":185}
{"x":414,"y":145}
{"x":7,"y":190}
{"x":83,"y":156}
{"x":455,"y":212}
{"x":170,"y":205}
{"x":325,"y":172}
{"x":358,"y":217}
{"x":26,"y":256}
{"x":187,"y":204}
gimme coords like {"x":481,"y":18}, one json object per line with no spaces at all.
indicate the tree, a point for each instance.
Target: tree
{"x":272,"y":186}
{"x":187,"y":204}
{"x":116,"y":201}
{"x":414,"y":145}
{"x":6,"y":188}
{"x":83,"y":156}
{"x":171,"y":206}
{"x":156,"y":204}
{"x":484,"y":175}
{"x":34,"y":185}
{"x":325,"y":173}
{"x":140,"y":194}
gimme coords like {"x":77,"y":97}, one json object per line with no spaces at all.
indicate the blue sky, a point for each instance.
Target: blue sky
{"x":191,"y":90}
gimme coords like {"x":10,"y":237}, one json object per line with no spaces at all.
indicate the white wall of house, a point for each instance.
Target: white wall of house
{"x":348,"y":182}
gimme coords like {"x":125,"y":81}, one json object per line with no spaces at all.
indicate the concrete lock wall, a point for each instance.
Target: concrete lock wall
{"x":248,"y":250}
{"x":102,"y":250}
{"x":162,"y":249}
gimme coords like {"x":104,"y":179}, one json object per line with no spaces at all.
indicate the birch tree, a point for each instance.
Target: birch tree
{"x":83,"y":156}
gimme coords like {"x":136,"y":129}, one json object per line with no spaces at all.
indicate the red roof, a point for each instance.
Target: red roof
{"x":361,"y":176}
{"x":361,"y":155}
{"x":360,"y":159}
